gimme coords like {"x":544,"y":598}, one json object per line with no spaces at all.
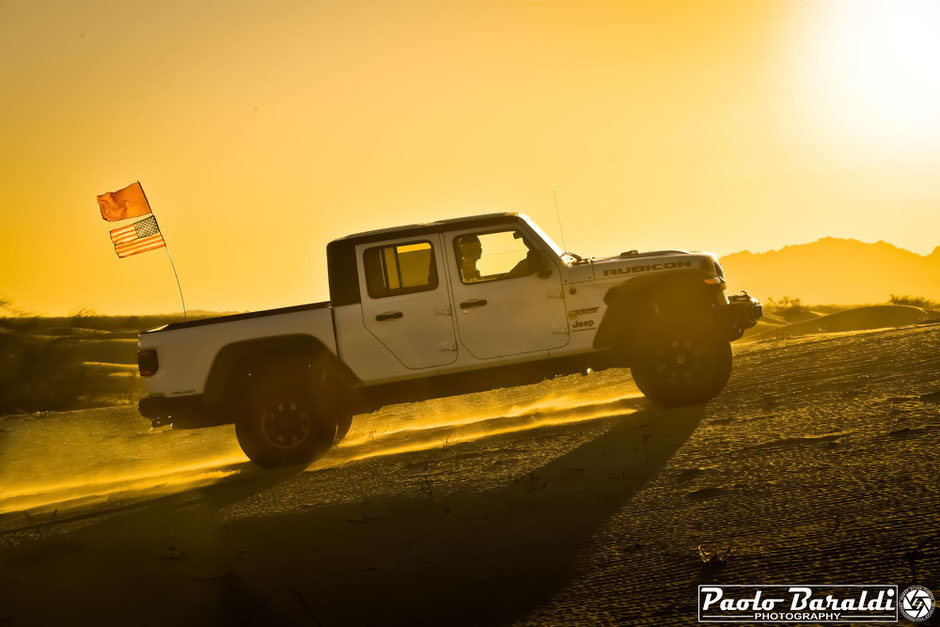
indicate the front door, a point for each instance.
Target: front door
{"x":405,"y":303}
{"x":503,"y":305}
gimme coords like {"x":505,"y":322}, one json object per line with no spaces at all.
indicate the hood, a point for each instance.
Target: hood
{"x":627,"y":256}
{"x":656,"y":261}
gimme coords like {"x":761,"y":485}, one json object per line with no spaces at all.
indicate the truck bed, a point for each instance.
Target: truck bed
{"x":187,"y":350}
{"x":242,"y":316}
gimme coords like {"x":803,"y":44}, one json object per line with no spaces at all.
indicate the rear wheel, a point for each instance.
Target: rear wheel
{"x":681,"y":363}
{"x":343,"y":423}
{"x":285,"y":421}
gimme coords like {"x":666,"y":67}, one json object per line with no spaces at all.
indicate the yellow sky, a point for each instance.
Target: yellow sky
{"x":262,"y":130}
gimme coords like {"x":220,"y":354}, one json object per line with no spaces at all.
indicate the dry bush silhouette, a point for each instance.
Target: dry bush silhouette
{"x":80,"y":316}
{"x":12,"y":316}
{"x":787,"y":308}
{"x":36,"y":373}
{"x":913,"y":301}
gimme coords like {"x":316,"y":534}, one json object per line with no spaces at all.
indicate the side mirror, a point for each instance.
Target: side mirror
{"x":543,"y":267}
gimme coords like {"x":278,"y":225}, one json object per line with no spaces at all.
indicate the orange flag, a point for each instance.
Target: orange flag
{"x":129,"y":202}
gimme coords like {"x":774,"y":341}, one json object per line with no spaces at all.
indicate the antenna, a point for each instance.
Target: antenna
{"x":558,"y":215}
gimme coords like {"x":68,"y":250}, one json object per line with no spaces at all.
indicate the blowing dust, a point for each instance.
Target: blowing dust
{"x":64,"y":460}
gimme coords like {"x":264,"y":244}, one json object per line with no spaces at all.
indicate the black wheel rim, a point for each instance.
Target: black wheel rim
{"x":679,"y":361}
{"x":286,"y":423}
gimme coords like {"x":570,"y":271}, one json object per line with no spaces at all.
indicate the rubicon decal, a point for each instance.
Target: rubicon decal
{"x":797,"y":603}
{"x":669,"y":265}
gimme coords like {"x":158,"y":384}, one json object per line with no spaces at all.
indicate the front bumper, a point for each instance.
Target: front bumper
{"x":743,"y":312}
{"x":183,"y":412}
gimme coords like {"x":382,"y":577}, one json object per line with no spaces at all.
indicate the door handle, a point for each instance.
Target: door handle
{"x":388,"y":315}
{"x":476,"y":302}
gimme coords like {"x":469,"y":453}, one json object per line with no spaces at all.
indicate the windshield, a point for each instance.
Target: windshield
{"x":545,"y":238}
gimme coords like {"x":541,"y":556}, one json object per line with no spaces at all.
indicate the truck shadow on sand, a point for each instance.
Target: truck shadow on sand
{"x":467,"y":557}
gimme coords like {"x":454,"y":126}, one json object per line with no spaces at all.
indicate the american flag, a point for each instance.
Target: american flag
{"x":139,"y":237}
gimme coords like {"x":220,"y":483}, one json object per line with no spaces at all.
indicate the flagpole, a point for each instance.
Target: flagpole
{"x":167,"y":248}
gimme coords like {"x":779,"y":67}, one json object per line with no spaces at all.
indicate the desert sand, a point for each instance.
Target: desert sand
{"x":853,"y":319}
{"x":572,"y":501}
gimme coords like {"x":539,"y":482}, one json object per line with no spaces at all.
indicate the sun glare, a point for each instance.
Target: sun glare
{"x":874,"y":72}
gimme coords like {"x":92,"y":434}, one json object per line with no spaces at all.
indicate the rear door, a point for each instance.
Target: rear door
{"x":503,"y":306}
{"x":405,"y":300}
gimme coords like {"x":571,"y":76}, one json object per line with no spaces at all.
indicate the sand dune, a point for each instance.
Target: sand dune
{"x":857,"y":319}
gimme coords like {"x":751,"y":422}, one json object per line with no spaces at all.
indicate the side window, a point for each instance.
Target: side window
{"x":494,"y":256}
{"x":400,"y":269}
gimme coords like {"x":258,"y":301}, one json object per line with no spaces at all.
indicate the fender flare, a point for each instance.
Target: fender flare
{"x":635,"y":299}
{"x":235,"y":356}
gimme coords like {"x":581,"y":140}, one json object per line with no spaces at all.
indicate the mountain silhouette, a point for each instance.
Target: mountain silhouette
{"x":836,"y":271}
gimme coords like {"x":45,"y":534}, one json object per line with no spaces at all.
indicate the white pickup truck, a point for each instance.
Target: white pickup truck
{"x":439,"y":309}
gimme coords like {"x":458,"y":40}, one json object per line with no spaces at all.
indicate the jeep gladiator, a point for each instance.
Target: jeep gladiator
{"x":439,"y":309}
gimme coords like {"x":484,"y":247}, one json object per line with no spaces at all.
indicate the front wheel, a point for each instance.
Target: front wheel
{"x":680,"y":363}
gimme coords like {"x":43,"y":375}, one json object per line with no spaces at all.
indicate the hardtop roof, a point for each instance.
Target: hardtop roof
{"x":438,"y":225}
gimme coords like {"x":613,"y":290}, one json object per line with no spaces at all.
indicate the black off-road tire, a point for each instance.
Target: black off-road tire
{"x":342,"y":427}
{"x":284,"y":421}
{"x":678,"y":363}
